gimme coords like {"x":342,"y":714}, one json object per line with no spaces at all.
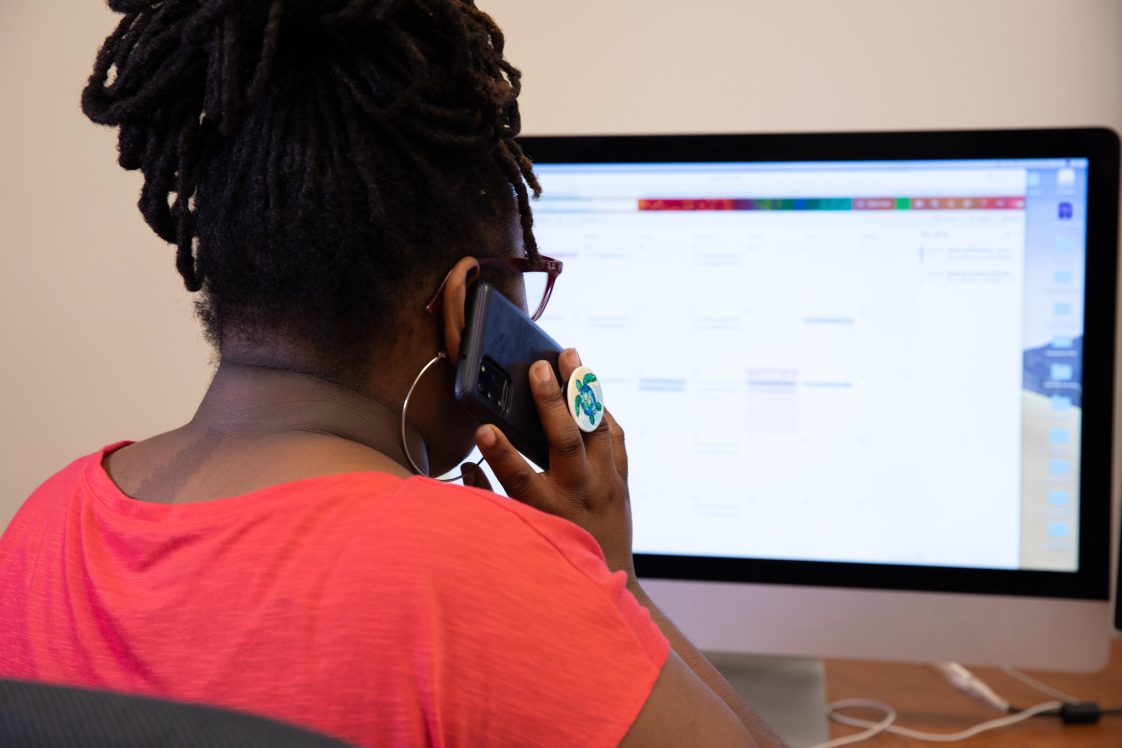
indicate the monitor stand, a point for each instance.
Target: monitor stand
{"x":788,"y":692}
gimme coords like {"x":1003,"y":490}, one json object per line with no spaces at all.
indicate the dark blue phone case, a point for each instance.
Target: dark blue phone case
{"x":498,"y":330}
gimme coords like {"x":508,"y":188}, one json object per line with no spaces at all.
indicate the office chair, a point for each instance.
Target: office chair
{"x":37,"y":715}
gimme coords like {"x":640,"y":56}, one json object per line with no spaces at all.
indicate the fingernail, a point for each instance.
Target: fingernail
{"x":579,"y":362}
{"x":485,"y":436}
{"x":543,"y":372}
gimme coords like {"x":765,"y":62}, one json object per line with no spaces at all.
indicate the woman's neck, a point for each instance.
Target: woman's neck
{"x":252,"y":399}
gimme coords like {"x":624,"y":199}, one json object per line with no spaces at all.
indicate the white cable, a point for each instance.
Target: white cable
{"x":872,"y":728}
{"x":963,"y":680}
{"x":932,"y":737}
{"x":971,"y":685}
{"x":1031,"y":682}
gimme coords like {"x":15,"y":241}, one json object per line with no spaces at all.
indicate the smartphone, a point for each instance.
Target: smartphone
{"x":492,"y":376}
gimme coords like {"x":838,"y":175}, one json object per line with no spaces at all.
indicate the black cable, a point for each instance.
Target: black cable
{"x":1077,"y":712}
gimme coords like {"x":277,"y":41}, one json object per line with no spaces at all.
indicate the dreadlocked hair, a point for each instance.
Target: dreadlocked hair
{"x":310,"y":159}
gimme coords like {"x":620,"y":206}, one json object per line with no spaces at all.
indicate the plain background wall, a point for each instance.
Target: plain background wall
{"x":99,"y":340}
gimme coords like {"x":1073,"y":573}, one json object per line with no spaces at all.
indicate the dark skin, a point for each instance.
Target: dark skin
{"x":268,"y":418}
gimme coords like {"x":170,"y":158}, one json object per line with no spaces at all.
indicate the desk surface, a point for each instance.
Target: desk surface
{"x":923,"y":700}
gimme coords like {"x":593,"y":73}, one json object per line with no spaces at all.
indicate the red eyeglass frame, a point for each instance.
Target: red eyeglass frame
{"x":516,"y":264}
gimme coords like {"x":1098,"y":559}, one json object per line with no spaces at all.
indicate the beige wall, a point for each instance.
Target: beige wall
{"x":98,"y":338}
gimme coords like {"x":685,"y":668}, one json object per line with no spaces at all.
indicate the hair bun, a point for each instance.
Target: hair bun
{"x":216,"y":55}
{"x":184,"y":79}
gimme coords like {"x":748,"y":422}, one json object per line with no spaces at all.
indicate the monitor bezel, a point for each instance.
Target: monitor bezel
{"x":1100,"y":146}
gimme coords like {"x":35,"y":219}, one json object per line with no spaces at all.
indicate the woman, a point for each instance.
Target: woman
{"x":335,"y":174}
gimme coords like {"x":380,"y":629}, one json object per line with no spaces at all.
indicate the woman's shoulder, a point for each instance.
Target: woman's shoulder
{"x":468,"y":521}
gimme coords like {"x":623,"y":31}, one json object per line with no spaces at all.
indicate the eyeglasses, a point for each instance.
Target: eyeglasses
{"x":538,"y":279}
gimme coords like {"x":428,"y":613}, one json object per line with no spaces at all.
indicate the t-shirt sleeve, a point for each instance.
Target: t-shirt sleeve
{"x":532,"y":639}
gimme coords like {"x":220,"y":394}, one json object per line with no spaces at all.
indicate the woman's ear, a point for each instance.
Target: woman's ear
{"x":462,"y":274}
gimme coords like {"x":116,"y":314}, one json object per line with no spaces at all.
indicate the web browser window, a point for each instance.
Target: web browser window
{"x":849,"y":361}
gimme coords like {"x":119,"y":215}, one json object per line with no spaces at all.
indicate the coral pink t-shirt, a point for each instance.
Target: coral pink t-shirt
{"x":383,"y":611}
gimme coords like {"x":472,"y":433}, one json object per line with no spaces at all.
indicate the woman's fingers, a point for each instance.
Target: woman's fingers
{"x":567,"y":460}
{"x":518,"y":478}
{"x":619,"y":446}
{"x":568,"y":362}
{"x":597,"y":443}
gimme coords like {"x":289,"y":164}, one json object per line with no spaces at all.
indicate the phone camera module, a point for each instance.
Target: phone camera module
{"x":494,"y":385}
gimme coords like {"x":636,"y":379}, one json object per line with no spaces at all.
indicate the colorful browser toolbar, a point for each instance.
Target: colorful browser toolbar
{"x":1014,"y":202}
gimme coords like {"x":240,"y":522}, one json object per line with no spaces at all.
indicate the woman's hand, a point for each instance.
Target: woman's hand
{"x":586,"y":483}
{"x":587,"y":478}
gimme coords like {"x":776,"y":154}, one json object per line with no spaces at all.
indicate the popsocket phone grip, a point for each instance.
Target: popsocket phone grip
{"x":585,"y":398}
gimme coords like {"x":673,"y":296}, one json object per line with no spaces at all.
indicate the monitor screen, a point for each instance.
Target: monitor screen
{"x":867,"y":360}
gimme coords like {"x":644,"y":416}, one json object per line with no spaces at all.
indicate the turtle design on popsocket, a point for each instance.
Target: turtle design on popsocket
{"x":585,"y":401}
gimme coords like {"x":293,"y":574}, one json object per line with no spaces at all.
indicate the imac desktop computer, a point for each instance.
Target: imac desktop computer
{"x":866,"y":381}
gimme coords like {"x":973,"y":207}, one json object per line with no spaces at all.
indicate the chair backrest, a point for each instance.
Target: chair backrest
{"x":37,"y":715}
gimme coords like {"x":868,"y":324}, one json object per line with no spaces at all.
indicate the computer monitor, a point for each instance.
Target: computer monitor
{"x":866,"y":381}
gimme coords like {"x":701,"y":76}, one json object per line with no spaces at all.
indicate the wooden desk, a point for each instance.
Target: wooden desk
{"x":925,"y":701}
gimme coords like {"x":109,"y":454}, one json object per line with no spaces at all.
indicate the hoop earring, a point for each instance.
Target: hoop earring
{"x":405,"y":406}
